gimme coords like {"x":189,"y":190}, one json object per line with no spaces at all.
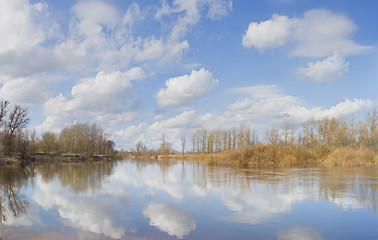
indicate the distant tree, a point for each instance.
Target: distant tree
{"x":22,"y":142}
{"x":165,"y":146}
{"x":33,"y":141}
{"x":309,"y":133}
{"x":272,"y":136}
{"x":218,"y":141}
{"x":49,"y":142}
{"x":248,"y":138}
{"x":234,"y":133}
{"x":109,"y":147}
{"x":182,"y":141}
{"x":225,"y":140}
{"x":139,"y":147}
{"x":286,"y":132}
{"x":372,"y":124}
{"x":194,"y":142}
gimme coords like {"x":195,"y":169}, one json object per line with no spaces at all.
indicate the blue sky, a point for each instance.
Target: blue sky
{"x":144,"y":68}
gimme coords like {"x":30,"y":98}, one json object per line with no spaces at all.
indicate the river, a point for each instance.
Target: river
{"x":133,"y":199}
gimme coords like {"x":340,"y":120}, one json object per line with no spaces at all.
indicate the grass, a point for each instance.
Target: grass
{"x":349,"y":157}
{"x":289,"y":156}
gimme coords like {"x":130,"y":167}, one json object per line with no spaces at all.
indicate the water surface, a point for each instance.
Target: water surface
{"x":134,"y":199}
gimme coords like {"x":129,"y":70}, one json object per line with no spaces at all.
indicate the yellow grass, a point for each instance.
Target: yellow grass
{"x":289,"y":156}
{"x":349,"y":157}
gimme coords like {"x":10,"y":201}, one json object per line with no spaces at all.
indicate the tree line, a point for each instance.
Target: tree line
{"x":325,"y":134}
{"x":80,"y":138}
{"x":330,"y":132}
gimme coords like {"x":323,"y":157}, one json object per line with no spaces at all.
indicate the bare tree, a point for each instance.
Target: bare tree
{"x":183,"y":140}
{"x":165,"y":146}
{"x":272,"y":136}
{"x":204,"y":141}
{"x":248,"y":139}
{"x":309,"y":134}
{"x":18,"y":119}
{"x":218,"y":141}
{"x":225,"y":142}
{"x":372,"y":124}
{"x":4,"y":108}
{"x":139,"y":147}
{"x":234,"y":133}
{"x":194,"y":142}
{"x":286,"y":131}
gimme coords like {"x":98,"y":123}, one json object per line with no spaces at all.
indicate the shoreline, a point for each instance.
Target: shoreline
{"x":46,"y":158}
{"x":279,"y":156}
{"x":257,"y":156}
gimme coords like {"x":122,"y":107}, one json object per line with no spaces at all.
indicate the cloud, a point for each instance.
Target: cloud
{"x":99,"y":38}
{"x":23,"y":33}
{"x":133,"y":14}
{"x":131,"y":132}
{"x":24,"y":28}
{"x":96,"y":94}
{"x":330,"y":69}
{"x":185,"y":89}
{"x":269,"y":112}
{"x":96,"y":12}
{"x":321,"y":32}
{"x":339,"y":110}
{"x":267,"y":34}
{"x":318,"y":34}
{"x":26,"y":90}
{"x":170,"y":219}
{"x":108,"y":97}
{"x":188,"y":13}
{"x":219,"y":9}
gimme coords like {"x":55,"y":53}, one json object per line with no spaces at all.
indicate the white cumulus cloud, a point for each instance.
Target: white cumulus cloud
{"x":268,"y":34}
{"x":23,"y":33}
{"x":108,"y":97}
{"x":26,"y":90}
{"x":319,"y":33}
{"x":330,"y":69}
{"x":185,"y":89}
{"x":96,"y":94}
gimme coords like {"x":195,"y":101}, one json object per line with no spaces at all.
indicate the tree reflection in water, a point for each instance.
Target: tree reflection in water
{"x":80,"y":177}
{"x":11,"y":182}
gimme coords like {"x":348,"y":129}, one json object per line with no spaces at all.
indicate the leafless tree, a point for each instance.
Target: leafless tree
{"x":272,"y":136}
{"x":4,"y":108}
{"x":18,"y":119}
{"x":183,"y":140}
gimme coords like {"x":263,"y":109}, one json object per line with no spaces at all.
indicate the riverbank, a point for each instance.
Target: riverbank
{"x":43,"y":158}
{"x":281,"y":156}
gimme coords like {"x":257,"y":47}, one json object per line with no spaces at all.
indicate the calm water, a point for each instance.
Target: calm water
{"x":186,"y":200}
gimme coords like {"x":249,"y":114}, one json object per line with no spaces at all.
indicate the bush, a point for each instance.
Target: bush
{"x":349,"y":157}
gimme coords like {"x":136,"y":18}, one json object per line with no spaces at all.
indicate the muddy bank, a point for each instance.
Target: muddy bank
{"x":42,"y":158}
